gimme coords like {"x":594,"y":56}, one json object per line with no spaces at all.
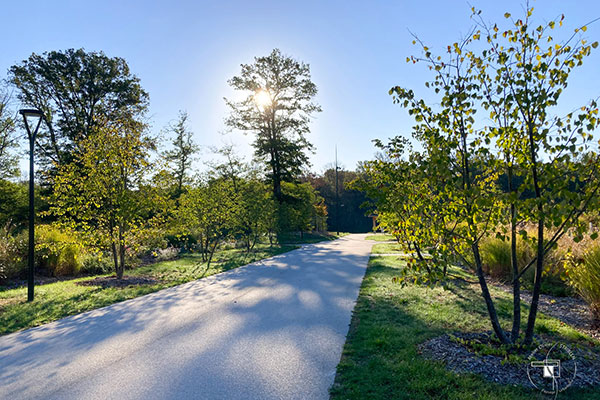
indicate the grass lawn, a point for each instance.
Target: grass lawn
{"x":60,"y":299}
{"x":314,"y":237}
{"x":381,"y":359}
{"x":381,"y":237}
{"x":384,"y":248}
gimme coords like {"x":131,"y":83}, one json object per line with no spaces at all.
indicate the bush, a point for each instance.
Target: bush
{"x":186,"y":241}
{"x":13,"y":254}
{"x":96,"y":264}
{"x":170,"y":253}
{"x":584,"y":277}
{"x":58,"y":252}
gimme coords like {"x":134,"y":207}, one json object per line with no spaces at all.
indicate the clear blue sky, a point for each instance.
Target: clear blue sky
{"x":185,"y":51}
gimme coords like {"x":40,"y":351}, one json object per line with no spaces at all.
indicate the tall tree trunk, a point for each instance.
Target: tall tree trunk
{"x":418,"y":250}
{"x":115,"y":258}
{"x":212,"y":252}
{"x":539,"y":265}
{"x":475,"y":249}
{"x":113,"y":246}
{"x":487,"y":297}
{"x":537,"y":283}
{"x":121,"y":254}
{"x":516,"y":325}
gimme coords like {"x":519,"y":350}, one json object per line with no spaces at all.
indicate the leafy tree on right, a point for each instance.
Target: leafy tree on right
{"x":492,"y":117}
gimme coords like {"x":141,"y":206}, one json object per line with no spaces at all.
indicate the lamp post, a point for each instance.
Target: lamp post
{"x":337,"y":195}
{"x":34,"y":114}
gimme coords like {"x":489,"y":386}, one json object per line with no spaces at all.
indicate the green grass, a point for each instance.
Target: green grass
{"x":60,"y":299}
{"x":314,"y":237}
{"x":384,"y":248}
{"x":381,"y":360}
{"x":381,"y":237}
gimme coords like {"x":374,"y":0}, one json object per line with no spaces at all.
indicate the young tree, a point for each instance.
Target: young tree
{"x":101,"y":193}
{"x":518,"y":81}
{"x":75,"y":89}
{"x":210,"y":210}
{"x":184,"y":148}
{"x":523,"y":74}
{"x":256,"y":212}
{"x":408,"y":205}
{"x":277,"y":110}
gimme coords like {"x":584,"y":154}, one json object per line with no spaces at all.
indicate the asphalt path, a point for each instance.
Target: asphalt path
{"x":273,"y":329}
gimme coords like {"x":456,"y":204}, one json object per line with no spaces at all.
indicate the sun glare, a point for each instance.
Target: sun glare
{"x":262,"y":99}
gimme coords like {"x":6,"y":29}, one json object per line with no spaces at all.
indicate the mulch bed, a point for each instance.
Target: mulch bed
{"x":458,"y":357}
{"x":112,"y":281}
{"x":572,"y":311}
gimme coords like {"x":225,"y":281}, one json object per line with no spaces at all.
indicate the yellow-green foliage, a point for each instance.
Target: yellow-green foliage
{"x":584,"y":277}
{"x":12,"y":254}
{"x":495,"y":255}
{"x":57,"y":251}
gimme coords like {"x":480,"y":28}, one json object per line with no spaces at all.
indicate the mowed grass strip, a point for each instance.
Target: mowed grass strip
{"x":385,"y":248}
{"x":381,"y":237}
{"x":60,"y":299}
{"x":309,"y":237}
{"x":381,"y":359}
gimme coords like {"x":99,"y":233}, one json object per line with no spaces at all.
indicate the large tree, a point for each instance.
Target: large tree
{"x":277,"y":110}
{"x":75,"y":89}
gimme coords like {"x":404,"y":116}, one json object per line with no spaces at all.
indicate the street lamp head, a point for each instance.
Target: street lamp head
{"x":30,"y":112}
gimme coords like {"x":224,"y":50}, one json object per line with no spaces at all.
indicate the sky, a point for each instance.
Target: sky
{"x":184,"y":52}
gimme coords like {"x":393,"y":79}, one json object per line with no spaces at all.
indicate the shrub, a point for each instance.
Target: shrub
{"x":13,"y":251}
{"x":184,"y":241}
{"x":58,"y":252}
{"x":96,"y":264}
{"x":584,"y":277}
{"x":170,"y":253}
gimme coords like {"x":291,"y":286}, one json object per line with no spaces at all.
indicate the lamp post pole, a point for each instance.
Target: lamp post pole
{"x":337,"y":196}
{"x":31,"y":135}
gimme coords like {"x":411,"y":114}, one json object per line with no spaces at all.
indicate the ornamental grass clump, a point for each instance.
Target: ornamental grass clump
{"x":584,"y":277}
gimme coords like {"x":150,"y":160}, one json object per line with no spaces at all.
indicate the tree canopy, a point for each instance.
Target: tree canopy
{"x":75,"y":89}
{"x":277,"y":109}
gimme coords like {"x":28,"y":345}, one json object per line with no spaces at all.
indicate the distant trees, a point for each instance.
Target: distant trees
{"x":8,"y":161}
{"x":303,"y":210}
{"x":277,"y":110}
{"x":106,"y":182}
{"x":345,"y":211}
{"x":76,"y":90}
{"x":180,"y":157}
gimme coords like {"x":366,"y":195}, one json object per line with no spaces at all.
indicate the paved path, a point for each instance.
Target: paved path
{"x":270,"y":330}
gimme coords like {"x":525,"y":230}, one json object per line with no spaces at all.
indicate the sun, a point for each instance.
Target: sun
{"x":263,"y":99}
